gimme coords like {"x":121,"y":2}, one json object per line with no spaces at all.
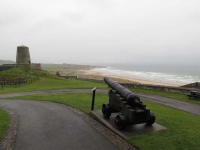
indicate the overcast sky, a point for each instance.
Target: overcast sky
{"x":101,"y":31}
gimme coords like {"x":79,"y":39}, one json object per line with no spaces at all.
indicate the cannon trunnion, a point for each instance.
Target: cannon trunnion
{"x":132,"y":111}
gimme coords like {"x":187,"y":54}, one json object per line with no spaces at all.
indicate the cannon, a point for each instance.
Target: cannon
{"x":129,"y":106}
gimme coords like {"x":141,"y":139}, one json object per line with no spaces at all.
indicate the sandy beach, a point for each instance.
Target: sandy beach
{"x":127,"y":79}
{"x":84,"y":71}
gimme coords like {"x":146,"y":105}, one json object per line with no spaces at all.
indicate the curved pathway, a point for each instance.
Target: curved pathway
{"x":50,"y":126}
{"x":184,"y":106}
{"x":52,"y":92}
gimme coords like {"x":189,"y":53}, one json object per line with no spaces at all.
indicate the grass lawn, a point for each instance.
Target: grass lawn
{"x":52,"y":84}
{"x":4,"y":123}
{"x":47,"y":81}
{"x":177,"y":96}
{"x":182,"y":128}
{"x":25,"y":71}
{"x":81,"y":101}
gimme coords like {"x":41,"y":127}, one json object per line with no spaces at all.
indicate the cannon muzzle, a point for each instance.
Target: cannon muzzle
{"x":131,"y":98}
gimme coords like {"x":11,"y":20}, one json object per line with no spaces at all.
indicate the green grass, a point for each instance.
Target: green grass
{"x":81,"y":101}
{"x":13,"y":75}
{"x":182,"y":128}
{"x":47,"y":81}
{"x":176,"y":96}
{"x":53,"y":84}
{"x":26,"y":72}
{"x":4,"y":123}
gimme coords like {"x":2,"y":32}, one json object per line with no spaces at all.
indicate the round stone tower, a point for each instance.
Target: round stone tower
{"x":23,"y":55}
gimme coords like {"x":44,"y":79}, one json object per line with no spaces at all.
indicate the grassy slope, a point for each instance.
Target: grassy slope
{"x":47,"y":81}
{"x":182,"y":128}
{"x":177,"y":96}
{"x":25,"y":71}
{"x":50,"y":84}
{"x":4,"y":123}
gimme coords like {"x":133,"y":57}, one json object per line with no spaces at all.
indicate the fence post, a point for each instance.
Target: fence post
{"x":93,"y":98}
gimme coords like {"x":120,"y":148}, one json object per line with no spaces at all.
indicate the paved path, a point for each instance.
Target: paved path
{"x":52,"y":92}
{"x":184,"y":106}
{"x":50,"y":126}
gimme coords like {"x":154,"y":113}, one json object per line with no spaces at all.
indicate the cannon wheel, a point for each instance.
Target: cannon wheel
{"x":120,"y":122}
{"x":152,"y":119}
{"x":106,"y":110}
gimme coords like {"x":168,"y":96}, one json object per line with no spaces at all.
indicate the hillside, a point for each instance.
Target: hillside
{"x":6,"y":62}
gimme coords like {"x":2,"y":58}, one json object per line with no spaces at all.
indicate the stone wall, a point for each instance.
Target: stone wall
{"x":67,"y":77}
{"x":161,"y":88}
{"x":152,"y":87}
{"x":192,"y":85}
{"x":2,"y":68}
{"x":10,"y":65}
{"x":35,"y":66}
{"x":14,"y":65}
{"x":93,"y":80}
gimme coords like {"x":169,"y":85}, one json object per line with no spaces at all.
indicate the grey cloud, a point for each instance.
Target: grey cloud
{"x":107,"y":31}
{"x":72,"y":16}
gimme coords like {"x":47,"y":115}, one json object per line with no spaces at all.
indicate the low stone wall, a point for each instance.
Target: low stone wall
{"x":160,"y":88}
{"x":192,"y":85}
{"x":152,"y":87}
{"x":93,"y":80}
{"x":14,"y":65}
{"x":68,"y":77}
{"x":35,"y":66}
{"x":2,"y":68}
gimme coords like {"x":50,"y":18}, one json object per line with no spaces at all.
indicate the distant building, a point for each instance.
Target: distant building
{"x":22,"y":58}
{"x":23,"y":55}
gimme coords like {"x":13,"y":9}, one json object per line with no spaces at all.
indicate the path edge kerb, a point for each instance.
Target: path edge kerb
{"x":8,"y":140}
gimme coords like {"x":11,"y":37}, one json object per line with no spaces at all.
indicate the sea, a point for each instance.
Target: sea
{"x":179,"y":74}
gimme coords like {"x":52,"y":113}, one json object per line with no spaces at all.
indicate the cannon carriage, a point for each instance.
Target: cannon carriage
{"x":129,"y":106}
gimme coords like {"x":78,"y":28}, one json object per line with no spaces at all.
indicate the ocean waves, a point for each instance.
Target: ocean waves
{"x":179,"y":79}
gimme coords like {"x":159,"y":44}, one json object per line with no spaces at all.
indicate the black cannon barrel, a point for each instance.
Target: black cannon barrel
{"x":128,"y":95}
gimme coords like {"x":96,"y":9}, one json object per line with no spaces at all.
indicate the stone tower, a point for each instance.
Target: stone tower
{"x":23,"y":55}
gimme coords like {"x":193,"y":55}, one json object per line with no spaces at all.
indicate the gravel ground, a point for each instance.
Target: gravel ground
{"x":7,"y":142}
